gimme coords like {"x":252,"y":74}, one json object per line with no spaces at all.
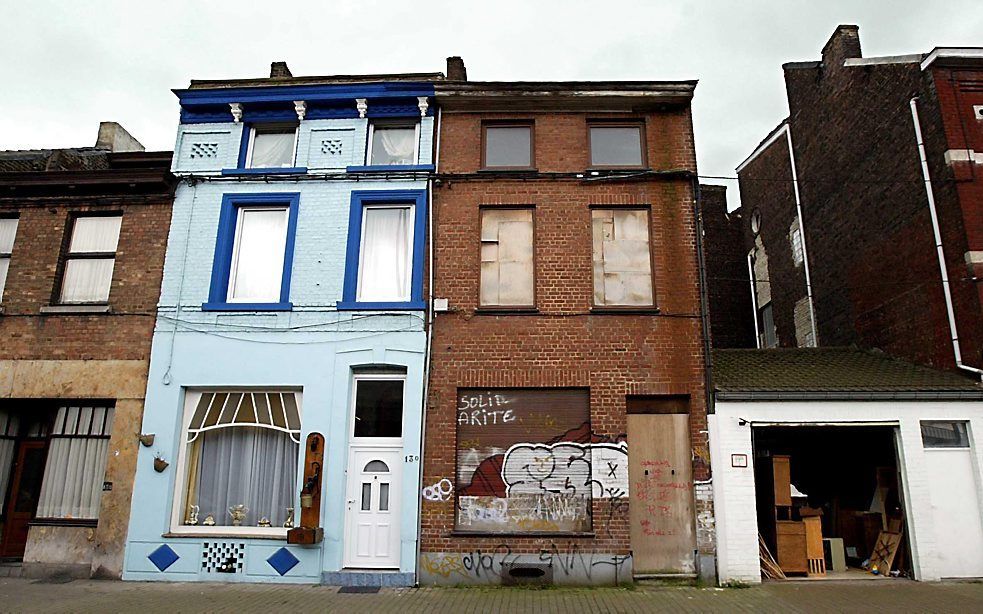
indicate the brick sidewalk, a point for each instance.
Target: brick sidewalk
{"x":20,"y":595}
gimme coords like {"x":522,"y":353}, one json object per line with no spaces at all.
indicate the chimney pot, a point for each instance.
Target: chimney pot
{"x":279,"y":70}
{"x":455,"y":69}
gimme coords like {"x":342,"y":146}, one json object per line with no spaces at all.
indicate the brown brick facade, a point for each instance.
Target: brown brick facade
{"x":563,"y":343}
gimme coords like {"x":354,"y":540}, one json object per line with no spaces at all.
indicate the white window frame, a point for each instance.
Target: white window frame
{"x":7,"y":255}
{"x":387,"y":124}
{"x":234,"y":264}
{"x":177,"y":526}
{"x":798,"y":254}
{"x":409,"y":256}
{"x":71,"y":255}
{"x":375,"y":442}
{"x":252,"y":139}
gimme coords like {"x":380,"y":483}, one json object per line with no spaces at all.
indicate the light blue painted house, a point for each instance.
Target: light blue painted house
{"x":292,"y":304}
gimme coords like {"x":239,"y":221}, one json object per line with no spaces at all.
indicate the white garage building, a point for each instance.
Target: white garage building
{"x":866,"y":436}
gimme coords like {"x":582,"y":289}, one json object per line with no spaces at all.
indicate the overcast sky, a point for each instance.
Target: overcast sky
{"x":68,"y":65}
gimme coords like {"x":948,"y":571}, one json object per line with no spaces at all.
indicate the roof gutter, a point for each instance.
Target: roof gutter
{"x":940,"y":253}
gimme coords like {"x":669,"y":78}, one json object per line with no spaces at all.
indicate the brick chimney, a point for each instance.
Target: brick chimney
{"x":843,"y":44}
{"x":455,"y":69}
{"x":115,"y":138}
{"x":279,"y":70}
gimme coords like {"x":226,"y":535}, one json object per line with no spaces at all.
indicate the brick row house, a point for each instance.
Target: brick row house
{"x":82,"y":239}
{"x":861,"y":219}
{"x":566,"y":410}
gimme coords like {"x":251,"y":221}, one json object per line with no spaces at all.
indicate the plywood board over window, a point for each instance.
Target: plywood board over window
{"x":507,"y":278}
{"x":622,"y":259}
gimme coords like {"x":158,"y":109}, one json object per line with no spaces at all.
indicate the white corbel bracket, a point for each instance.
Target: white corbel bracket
{"x":300,"y":108}
{"x":423,"y":104}
{"x":236,"y":111}
{"x":362,"y":105}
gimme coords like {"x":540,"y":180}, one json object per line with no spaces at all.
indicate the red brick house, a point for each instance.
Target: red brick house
{"x":566,"y":417}
{"x":82,"y":239}
{"x":864,"y":208}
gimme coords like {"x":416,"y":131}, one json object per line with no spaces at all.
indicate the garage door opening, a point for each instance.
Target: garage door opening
{"x":829,"y":502}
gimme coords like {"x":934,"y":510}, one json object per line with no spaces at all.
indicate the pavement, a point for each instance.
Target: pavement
{"x":24,"y":595}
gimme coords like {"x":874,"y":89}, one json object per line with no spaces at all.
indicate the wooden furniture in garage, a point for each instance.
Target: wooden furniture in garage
{"x":791,"y":538}
{"x":814,"y":546}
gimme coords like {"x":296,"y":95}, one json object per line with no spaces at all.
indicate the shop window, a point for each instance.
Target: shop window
{"x":616,"y":144}
{"x":507,"y":146}
{"x":378,"y":408}
{"x":90,"y":259}
{"x":254,"y":252}
{"x":520,"y":473}
{"x":622,"y":259}
{"x":937,"y":434}
{"x":392,"y":144}
{"x":507,"y":267}
{"x":8,"y":230}
{"x":241,"y":458}
{"x":271,"y":146}
{"x":76,"y":463}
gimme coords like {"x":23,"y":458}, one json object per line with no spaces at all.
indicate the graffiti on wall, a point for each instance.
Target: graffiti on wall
{"x":440,"y":491}
{"x":527,"y":460}
{"x":568,"y":562}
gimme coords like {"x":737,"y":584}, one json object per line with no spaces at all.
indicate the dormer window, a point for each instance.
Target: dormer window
{"x":393,"y":144}
{"x":272,"y":146}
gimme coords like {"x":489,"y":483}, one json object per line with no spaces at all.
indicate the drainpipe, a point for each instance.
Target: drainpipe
{"x":802,"y":234}
{"x":426,"y":355}
{"x":929,"y":193}
{"x":754,"y":301}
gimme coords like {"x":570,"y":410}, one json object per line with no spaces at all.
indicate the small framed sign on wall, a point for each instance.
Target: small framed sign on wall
{"x":738,"y":460}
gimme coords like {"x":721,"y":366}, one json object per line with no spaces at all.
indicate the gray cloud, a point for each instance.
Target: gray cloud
{"x":68,"y":65}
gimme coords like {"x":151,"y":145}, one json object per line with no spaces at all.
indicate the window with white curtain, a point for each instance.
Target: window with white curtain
{"x":76,"y":464}
{"x":91,"y":257}
{"x":242,"y":452}
{"x":8,"y":230}
{"x":392,"y":144}
{"x":272,"y":147}
{"x":385,"y":254}
{"x":8,"y":444}
{"x":256,"y":271}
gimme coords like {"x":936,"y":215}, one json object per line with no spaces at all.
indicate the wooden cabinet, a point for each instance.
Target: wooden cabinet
{"x":782,"y":480}
{"x":791,"y":538}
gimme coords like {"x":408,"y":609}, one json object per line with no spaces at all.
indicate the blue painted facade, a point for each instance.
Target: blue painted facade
{"x":312,"y":341}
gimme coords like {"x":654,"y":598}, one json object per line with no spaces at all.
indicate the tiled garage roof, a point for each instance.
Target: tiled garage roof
{"x":840,"y":372}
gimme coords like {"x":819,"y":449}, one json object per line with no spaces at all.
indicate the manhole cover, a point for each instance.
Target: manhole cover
{"x":359,"y":589}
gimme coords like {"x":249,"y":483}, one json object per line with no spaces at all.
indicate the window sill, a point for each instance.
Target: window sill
{"x":226,"y":534}
{"x":75,"y":309}
{"x":381,"y":306}
{"x":618,"y":169}
{"x":625,"y":311}
{"x":531,"y":534}
{"x":64,"y":522}
{"x":296,"y":170}
{"x":247,"y":306}
{"x":489,"y":170}
{"x":506,"y":311}
{"x":390,"y":168}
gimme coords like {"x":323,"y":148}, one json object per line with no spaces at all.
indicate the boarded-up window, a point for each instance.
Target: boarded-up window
{"x":526,"y":459}
{"x":622,"y":261}
{"x":506,"y":257}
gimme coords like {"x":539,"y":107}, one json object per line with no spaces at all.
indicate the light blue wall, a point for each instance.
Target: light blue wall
{"x":312,"y":348}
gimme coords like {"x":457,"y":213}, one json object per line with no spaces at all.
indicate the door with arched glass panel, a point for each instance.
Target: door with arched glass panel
{"x":372,"y":535}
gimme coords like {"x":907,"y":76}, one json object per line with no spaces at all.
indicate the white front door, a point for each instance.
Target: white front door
{"x":372,"y":516}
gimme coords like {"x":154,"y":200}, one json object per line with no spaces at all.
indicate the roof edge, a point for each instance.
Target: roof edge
{"x":847,"y":395}
{"x":768,"y":141}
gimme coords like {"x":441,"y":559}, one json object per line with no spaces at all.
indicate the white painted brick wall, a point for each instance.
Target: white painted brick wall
{"x":734,"y":492}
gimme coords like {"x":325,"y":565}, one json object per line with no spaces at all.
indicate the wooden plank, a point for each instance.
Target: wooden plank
{"x":814,"y":546}
{"x":783,"y":480}
{"x":882,"y":556}
{"x":660,"y":474}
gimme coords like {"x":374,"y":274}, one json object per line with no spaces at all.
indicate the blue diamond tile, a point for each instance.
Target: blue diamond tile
{"x":282,"y":561}
{"x":163,"y":557}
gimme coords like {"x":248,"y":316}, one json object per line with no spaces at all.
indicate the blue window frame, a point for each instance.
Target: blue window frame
{"x":355,"y":268}
{"x":235,"y":208}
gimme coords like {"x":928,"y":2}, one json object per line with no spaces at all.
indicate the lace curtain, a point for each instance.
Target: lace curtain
{"x":384,"y":272}
{"x":393,"y":146}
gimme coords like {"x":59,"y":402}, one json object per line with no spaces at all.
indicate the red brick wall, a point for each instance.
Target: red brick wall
{"x":564,"y":344}
{"x":32,"y":282}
